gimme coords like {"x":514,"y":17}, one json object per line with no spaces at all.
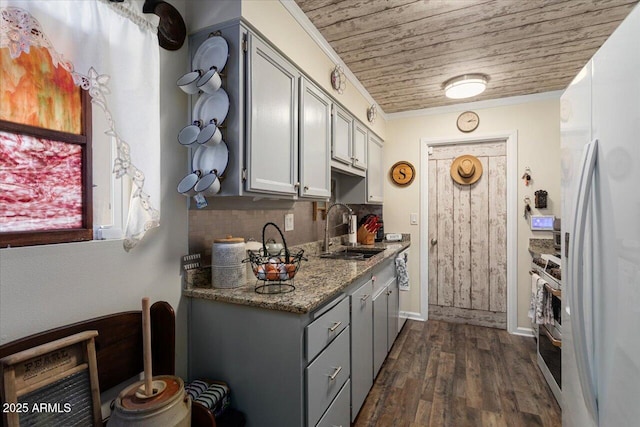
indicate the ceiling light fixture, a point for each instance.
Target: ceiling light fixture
{"x":465,"y":86}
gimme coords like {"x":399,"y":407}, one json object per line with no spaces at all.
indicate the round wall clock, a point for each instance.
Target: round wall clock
{"x":468,"y":121}
{"x":402,"y":173}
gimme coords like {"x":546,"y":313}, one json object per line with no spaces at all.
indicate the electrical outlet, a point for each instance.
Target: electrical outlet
{"x":288,"y":222}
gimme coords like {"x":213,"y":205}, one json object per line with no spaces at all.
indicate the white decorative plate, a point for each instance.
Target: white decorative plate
{"x":213,"y":52}
{"x":207,"y":159}
{"x":214,"y":106}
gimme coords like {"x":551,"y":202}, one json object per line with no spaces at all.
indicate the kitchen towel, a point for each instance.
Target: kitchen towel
{"x":402,"y":273}
{"x":212,"y":395}
{"x":540,"y":309}
{"x":536,"y":301}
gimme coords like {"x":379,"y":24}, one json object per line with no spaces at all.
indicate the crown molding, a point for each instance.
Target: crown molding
{"x":489,"y":103}
{"x":297,"y":14}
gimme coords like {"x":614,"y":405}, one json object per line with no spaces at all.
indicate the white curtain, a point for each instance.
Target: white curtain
{"x":111,"y":49}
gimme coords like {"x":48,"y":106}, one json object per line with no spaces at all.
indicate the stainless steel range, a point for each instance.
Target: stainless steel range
{"x":549,"y":336}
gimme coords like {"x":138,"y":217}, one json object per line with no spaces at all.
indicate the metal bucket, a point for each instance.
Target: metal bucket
{"x":171,"y":407}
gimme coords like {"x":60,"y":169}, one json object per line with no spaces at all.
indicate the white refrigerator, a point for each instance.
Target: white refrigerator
{"x":600,"y":161}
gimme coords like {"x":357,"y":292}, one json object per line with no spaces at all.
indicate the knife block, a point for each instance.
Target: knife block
{"x":364,"y":237}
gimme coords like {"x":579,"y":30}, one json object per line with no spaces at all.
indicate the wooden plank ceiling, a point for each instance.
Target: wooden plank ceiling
{"x":402,"y":51}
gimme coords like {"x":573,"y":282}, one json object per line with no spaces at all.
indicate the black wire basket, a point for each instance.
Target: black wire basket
{"x":275,"y":272}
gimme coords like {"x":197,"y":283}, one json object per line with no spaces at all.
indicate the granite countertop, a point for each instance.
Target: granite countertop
{"x":538,"y":247}
{"x":316,"y":281}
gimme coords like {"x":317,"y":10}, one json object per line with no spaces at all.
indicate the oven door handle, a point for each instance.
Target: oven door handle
{"x":577,"y":285}
{"x":554,"y":341}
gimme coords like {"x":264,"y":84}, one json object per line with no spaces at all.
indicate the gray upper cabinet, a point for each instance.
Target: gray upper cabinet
{"x":341,"y":142}
{"x":360,"y":140}
{"x":375,"y":174}
{"x":352,"y":189}
{"x":348,"y":143}
{"x":272,"y":121}
{"x":315,"y":141}
{"x":285,"y":135}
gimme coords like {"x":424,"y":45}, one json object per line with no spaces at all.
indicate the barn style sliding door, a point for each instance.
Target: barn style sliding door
{"x":467,"y":237}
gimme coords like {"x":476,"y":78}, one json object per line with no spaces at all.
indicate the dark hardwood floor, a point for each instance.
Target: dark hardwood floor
{"x":456,"y":375}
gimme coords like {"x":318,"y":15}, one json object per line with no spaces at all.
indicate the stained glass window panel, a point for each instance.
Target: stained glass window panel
{"x":40,"y":184}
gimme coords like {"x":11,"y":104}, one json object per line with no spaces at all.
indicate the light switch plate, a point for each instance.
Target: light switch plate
{"x":288,"y":222}
{"x":413,"y":219}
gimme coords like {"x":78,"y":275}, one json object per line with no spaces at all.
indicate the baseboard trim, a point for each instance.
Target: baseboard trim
{"x":524,"y":332}
{"x":412,"y":315}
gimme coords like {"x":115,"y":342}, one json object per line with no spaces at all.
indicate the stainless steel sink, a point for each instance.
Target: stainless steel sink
{"x":353,"y":253}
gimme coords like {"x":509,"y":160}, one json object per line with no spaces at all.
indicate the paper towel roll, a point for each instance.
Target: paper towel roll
{"x":353,"y":228}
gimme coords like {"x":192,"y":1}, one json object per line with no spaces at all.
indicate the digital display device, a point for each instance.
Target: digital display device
{"x":542,"y":222}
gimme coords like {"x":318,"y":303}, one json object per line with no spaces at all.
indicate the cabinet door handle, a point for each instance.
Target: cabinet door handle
{"x":296,"y":185}
{"x":306,"y":188}
{"x":333,"y":376}
{"x":389,"y":292}
{"x":364,"y":297}
{"x":335,"y":326}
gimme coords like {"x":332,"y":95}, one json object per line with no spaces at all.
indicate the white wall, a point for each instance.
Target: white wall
{"x":537,"y":124}
{"x":42,"y":287}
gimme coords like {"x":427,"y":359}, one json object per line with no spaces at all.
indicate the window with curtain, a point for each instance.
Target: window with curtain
{"x":95,"y":53}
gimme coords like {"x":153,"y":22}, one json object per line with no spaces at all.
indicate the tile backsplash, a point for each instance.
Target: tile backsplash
{"x":207,"y":225}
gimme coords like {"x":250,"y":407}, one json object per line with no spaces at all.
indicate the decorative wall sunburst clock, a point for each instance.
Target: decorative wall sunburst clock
{"x":372,"y":112}
{"x":338,"y":79}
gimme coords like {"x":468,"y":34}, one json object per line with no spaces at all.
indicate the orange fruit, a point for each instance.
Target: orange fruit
{"x":271,"y":271}
{"x":291,"y":270}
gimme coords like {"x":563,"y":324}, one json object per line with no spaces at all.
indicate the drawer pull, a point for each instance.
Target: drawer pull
{"x":364,"y":297}
{"x":335,"y":326}
{"x":333,"y":376}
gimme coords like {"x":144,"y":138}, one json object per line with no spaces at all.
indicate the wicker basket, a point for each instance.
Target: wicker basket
{"x":275,"y":272}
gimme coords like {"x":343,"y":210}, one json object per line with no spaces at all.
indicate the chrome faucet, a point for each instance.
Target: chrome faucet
{"x":325,"y":246}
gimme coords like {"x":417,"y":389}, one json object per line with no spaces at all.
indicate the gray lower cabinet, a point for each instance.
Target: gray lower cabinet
{"x":326,"y":375}
{"x":393,"y":312}
{"x":326,"y":328}
{"x":385,"y":323}
{"x":338,"y":412}
{"x":361,"y":345}
{"x":288,"y":369}
{"x":284,"y":369}
{"x":380,"y":330}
